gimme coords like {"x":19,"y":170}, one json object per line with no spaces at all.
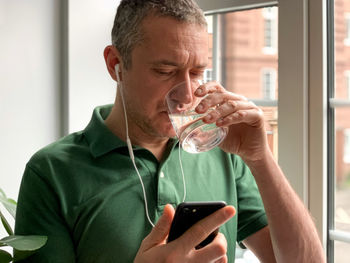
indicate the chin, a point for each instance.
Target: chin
{"x":168,"y":131}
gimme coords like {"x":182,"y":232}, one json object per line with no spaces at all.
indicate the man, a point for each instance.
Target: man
{"x":84,"y":193}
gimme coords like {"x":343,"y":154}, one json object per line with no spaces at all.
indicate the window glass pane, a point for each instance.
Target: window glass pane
{"x":341,"y":252}
{"x":244,"y":57}
{"x":342,"y":48}
{"x":342,"y":169}
{"x":342,"y":122}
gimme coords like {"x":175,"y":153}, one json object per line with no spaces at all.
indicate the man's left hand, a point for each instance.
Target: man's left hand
{"x":247,"y":135}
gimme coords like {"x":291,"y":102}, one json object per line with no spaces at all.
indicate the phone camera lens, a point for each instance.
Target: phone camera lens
{"x":186,"y":210}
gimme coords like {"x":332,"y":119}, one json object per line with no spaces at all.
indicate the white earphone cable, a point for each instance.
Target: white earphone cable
{"x":183,"y":175}
{"x":131,"y":152}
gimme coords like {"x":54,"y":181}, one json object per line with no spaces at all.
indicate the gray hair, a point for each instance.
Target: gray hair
{"x":127,"y":33}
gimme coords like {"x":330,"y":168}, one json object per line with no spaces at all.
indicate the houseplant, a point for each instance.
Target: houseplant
{"x":24,"y":245}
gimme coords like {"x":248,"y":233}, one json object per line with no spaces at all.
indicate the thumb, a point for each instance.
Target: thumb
{"x":161,"y":229}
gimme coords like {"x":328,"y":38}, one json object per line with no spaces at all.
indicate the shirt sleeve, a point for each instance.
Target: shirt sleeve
{"x":251,"y":212}
{"x":38,"y":213}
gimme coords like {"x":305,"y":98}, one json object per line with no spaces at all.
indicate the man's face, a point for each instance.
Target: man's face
{"x":172,"y":52}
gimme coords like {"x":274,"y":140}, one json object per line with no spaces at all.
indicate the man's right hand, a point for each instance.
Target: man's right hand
{"x":154,"y":248}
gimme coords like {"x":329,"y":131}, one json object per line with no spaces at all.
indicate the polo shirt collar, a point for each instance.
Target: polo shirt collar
{"x":101,"y":140}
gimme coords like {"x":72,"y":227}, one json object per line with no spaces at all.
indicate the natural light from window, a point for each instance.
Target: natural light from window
{"x":243,"y":58}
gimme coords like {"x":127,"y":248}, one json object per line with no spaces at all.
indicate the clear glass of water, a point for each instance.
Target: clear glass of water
{"x":194,"y":135}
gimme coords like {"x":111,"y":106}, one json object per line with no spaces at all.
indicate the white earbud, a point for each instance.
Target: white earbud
{"x":116,"y":67}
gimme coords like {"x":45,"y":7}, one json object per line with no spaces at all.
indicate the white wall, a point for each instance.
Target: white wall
{"x":30,"y":84}
{"x":29,"y":102}
{"x":29,"y":89}
{"x":90,"y":25}
{"x":29,"y":75}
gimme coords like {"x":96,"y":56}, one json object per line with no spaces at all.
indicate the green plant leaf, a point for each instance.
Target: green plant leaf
{"x":5,"y":257}
{"x":24,"y":243}
{"x":6,"y":224}
{"x":8,"y":203}
{"x":10,"y":206}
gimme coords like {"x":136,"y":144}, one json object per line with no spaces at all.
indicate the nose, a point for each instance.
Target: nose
{"x":187,"y":93}
{"x":182,"y":93}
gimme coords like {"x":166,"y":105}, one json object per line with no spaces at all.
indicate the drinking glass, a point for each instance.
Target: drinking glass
{"x":194,"y":135}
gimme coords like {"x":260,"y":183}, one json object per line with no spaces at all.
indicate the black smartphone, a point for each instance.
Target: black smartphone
{"x":189,"y":213}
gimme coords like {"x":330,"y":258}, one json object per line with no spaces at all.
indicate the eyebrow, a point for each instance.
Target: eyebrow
{"x":165,"y":62}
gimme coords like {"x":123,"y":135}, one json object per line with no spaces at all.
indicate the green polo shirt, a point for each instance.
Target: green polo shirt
{"x":84,"y":194}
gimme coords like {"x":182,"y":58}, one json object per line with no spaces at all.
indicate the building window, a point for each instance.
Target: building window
{"x":208,"y":75}
{"x":269,"y":84}
{"x":347,"y":146}
{"x":347,"y":29}
{"x":210,"y":24}
{"x":339,"y":131}
{"x":268,"y":33}
{"x":270,"y":30}
{"x":347,"y":84}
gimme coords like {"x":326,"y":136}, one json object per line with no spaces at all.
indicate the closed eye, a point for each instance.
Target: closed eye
{"x":164,"y":72}
{"x":197,"y":74}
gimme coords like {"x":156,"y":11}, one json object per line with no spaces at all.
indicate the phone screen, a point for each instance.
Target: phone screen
{"x":189,"y":213}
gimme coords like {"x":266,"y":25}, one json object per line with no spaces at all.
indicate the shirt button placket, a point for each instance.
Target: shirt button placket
{"x":166,"y":190}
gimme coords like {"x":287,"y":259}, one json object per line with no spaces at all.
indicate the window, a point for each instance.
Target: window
{"x":269,"y":84}
{"x":347,"y":83}
{"x":347,"y":29}
{"x":208,"y":75}
{"x":242,"y":67}
{"x":346,"y":155}
{"x":268,"y":33}
{"x":339,"y":132}
{"x":301,"y":137}
{"x":270,"y":30}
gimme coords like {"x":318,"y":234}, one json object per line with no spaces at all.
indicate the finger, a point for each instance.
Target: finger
{"x":218,"y":99}
{"x":202,"y":229}
{"x":209,"y":87}
{"x":228,"y":108}
{"x":214,"y":251}
{"x":161,"y":229}
{"x":253,"y":117}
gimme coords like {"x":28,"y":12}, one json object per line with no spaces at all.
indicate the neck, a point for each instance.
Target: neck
{"x":116,"y":123}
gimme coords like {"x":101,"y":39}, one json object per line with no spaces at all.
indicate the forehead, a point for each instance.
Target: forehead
{"x":177,"y":39}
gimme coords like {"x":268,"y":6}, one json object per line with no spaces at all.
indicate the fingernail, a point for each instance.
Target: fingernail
{"x":199,"y":91}
{"x":230,"y":212}
{"x":208,"y":117}
{"x":200,"y":107}
{"x":220,"y":121}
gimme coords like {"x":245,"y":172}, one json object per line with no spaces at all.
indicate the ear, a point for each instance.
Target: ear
{"x":112,"y":57}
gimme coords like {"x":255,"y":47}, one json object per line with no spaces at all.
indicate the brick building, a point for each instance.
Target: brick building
{"x":249,"y":64}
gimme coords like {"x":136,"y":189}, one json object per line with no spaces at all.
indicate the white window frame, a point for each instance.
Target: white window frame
{"x":302,"y":102}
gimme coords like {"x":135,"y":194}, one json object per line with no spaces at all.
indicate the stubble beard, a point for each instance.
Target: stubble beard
{"x":144,"y":123}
